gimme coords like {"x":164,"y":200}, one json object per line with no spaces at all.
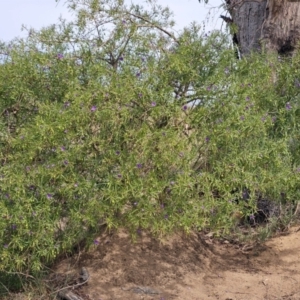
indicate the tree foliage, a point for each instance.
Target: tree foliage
{"x":115,"y":119}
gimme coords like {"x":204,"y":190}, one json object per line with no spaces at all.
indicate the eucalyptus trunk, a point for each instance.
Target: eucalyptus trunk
{"x":273,"y":25}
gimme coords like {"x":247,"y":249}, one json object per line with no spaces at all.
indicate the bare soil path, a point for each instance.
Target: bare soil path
{"x":189,"y":268}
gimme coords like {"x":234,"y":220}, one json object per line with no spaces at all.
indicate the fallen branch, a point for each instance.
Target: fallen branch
{"x":84,"y":276}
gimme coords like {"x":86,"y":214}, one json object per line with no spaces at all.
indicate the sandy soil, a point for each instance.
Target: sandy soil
{"x":193,"y":267}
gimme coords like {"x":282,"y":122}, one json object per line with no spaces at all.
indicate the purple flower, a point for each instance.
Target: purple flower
{"x":66,"y":162}
{"x":207,"y":139}
{"x":138,"y":74}
{"x":96,"y":242}
{"x":62,"y":148}
{"x":118,"y":152}
{"x":93,"y":108}
{"x":252,"y":217}
{"x":60,"y":56}
{"x":5,"y":246}
{"x":139,"y":166}
{"x":119,"y":175}
{"x":13,"y":226}
{"x":67,"y":104}
{"x":153,"y":103}
{"x":288,"y":106}
{"x":140,"y":95}
{"x":135,"y":203}
{"x":121,"y":58}
{"x":184,"y":107}
{"x":247,"y":98}
{"x":49,"y":196}
{"x":242,"y":118}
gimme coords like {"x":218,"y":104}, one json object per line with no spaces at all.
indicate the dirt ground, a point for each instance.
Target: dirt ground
{"x":188,"y":267}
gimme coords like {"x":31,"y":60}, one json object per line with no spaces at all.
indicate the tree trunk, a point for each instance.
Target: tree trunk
{"x":273,"y":25}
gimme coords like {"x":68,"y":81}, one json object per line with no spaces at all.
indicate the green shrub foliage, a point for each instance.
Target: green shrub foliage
{"x":114,"y":118}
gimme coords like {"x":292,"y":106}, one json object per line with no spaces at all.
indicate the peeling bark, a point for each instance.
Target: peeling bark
{"x":270,"y":24}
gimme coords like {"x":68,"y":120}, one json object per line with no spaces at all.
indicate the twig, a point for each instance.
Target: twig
{"x":5,"y":287}
{"x":86,"y":278}
{"x":19,"y":273}
{"x":247,"y":248}
{"x":155,"y":25}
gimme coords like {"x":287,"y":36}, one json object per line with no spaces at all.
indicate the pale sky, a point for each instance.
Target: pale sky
{"x":39,"y":13}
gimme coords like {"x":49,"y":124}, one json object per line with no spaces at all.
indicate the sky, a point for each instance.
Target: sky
{"x":39,"y":13}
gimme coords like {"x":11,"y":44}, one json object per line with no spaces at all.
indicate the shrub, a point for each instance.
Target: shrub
{"x":143,"y":129}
